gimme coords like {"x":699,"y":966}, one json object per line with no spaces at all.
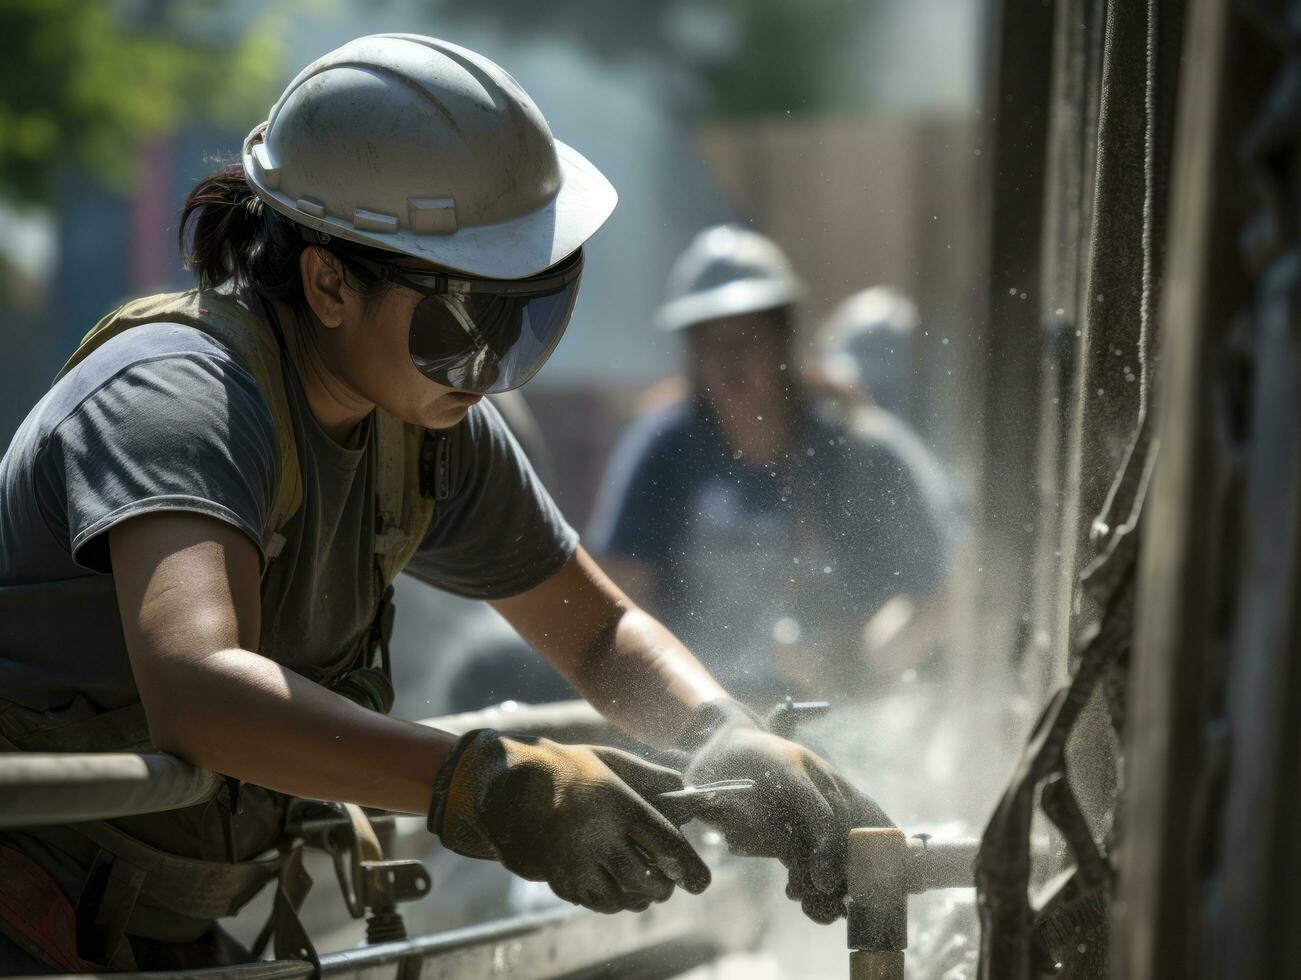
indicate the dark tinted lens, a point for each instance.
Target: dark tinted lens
{"x":484,"y":342}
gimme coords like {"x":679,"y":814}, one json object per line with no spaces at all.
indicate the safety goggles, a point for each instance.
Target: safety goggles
{"x":485,"y":335}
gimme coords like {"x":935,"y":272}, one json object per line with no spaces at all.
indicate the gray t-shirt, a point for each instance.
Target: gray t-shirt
{"x":165,"y":418}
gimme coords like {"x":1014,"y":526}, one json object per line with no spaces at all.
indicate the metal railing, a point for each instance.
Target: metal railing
{"x":664,"y":941}
{"x":39,"y":789}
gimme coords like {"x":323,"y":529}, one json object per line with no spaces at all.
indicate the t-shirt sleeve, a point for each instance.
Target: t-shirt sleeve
{"x":498,"y":533}
{"x":632,"y":518}
{"x":185,"y":431}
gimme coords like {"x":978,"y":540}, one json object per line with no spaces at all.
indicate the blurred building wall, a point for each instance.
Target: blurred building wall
{"x":861,"y":202}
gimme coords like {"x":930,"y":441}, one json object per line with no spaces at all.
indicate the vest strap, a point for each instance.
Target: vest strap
{"x":404,"y":513}
{"x":104,"y":907}
{"x":191,"y":887}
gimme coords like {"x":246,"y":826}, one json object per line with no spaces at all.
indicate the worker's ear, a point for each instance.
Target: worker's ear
{"x":323,"y":285}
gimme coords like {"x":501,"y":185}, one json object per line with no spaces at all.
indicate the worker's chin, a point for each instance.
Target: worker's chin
{"x":448,"y":410}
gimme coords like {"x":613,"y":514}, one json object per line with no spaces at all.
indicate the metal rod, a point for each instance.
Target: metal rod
{"x":940,"y":863}
{"x":46,"y":788}
{"x":884,"y":869}
{"x":877,"y":929}
{"x":664,"y":941}
{"x":38,"y":789}
{"x":876,"y":964}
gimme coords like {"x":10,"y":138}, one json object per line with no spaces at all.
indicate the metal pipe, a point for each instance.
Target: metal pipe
{"x":884,"y":869}
{"x":38,"y":789}
{"x":940,"y":863}
{"x":47,"y":788}
{"x":664,"y":941}
{"x":878,"y":903}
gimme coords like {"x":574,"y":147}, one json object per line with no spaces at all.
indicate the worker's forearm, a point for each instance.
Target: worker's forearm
{"x":637,"y":673}
{"x":252,"y":719}
{"x":643,"y":679}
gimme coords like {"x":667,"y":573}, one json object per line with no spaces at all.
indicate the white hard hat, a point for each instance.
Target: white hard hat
{"x":418,"y":146}
{"x":727,"y":270}
{"x":867,"y":342}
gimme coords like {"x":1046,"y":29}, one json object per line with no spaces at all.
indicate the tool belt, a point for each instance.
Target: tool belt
{"x":124,"y":886}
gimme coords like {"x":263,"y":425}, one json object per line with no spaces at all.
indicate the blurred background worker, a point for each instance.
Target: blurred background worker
{"x":865,"y":349}
{"x":865,"y":370}
{"x":794,"y":552}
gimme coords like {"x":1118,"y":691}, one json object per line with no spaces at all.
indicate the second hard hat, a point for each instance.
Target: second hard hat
{"x":417,"y":146}
{"x":867,"y":343}
{"x":727,"y":270}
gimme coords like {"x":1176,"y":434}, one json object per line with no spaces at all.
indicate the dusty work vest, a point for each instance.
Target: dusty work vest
{"x":412,"y":470}
{"x":404,"y":505}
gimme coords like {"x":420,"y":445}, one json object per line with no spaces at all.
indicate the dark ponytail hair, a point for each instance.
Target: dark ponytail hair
{"x":230,"y":237}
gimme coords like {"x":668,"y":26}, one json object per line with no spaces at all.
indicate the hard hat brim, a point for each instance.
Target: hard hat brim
{"x":514,"y":249}
{"x":730,"y":299}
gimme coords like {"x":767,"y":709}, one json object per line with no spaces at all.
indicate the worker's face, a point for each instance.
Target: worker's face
{"x":383,"y":371}
{"x":366,"y":346}
{"x":743,"y":364}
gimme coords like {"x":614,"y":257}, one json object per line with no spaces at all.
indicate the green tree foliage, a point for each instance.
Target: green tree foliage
{"x":749,"y":58}
{"x":783,"y":57}
{"x":86,"y":81}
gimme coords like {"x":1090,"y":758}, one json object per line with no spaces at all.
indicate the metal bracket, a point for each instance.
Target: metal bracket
{"x":369,"y":883}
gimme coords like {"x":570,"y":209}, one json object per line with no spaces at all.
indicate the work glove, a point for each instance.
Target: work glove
{"x":800,"y":810}
{"x":574,"y":816}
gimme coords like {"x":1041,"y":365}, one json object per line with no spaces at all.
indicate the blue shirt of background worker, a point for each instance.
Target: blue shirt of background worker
{"x":791,"y":551}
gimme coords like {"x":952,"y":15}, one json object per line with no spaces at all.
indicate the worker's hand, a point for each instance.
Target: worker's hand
{"x":574,"y":816}
{"x":800,"y":810}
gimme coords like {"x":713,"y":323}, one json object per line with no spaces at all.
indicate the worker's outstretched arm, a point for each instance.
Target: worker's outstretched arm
{"x":188,"y":591}
{"x":574,"y":816}
{"x":637,"y":673}
{"x":621,"y":659}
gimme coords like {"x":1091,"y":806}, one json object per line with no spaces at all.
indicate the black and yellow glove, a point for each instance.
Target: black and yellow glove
{"x":574,"y":816}
{"x":800,"y":810}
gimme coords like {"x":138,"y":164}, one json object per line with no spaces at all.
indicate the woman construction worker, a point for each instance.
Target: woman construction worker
{"x":200,"y":520}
